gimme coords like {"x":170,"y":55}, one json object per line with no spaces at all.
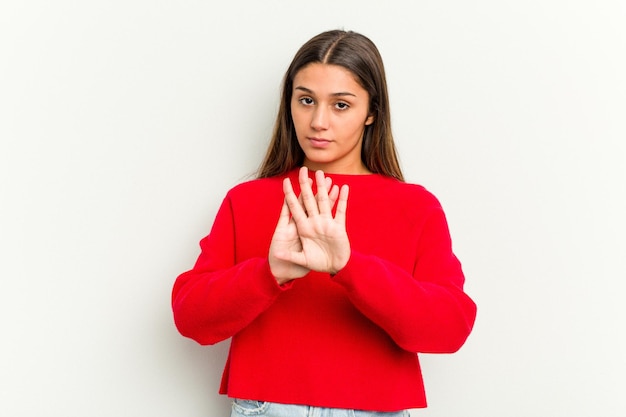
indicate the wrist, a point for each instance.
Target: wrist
{"x":282,"y":281}
{"x":339,"y":265}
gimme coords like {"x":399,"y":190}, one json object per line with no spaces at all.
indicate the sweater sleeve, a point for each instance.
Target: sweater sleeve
{"x":218,"y":297}
{"x":423,"y":311}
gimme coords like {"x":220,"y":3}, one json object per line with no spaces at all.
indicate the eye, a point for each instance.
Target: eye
{"x":342,"y":106}
{"x":307,"y":101}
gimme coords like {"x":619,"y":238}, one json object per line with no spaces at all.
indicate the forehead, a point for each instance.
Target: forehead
{"x":327,"y":78}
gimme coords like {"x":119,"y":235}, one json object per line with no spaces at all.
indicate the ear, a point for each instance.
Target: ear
{"x":369,"y":120}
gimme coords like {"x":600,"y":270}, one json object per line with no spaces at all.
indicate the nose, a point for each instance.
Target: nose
{"x":320,"y":119}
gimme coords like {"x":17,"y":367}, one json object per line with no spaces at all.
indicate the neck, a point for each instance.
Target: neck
{"x":346,"y":169}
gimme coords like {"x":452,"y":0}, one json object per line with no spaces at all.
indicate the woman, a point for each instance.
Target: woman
{"x":329,"y":272}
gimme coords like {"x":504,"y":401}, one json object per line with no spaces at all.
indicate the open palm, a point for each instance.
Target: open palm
{"x":308,"y":236}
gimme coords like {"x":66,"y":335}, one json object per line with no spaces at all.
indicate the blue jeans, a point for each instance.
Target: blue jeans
{"x":246,"y":408}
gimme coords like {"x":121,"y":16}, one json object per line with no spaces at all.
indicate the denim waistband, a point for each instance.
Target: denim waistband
{"x":248,"y":408}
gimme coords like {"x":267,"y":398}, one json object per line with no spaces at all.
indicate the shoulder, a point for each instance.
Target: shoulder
{"x":252,"y":190}
{"x":414,"y":194}
{"x":263,"y":185}
{"x":255,"y":184}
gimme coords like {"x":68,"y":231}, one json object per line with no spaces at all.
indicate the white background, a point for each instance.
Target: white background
{"x":124,"y":123}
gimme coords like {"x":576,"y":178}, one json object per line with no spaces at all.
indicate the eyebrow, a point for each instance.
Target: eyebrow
{"x":339,"y":94}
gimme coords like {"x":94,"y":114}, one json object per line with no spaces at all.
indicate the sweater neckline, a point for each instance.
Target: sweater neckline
{"x":350,"y":179}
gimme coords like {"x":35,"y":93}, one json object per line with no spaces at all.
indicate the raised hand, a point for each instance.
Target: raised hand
{"x":307,"y":236}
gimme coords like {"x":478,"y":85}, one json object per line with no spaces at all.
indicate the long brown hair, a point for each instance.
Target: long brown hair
{"x":360,"y":56}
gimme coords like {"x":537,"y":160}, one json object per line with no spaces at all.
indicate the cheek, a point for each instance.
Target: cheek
{"x":355,"y":127}
{"x":299,"y":120}
{"x":297,"y":125}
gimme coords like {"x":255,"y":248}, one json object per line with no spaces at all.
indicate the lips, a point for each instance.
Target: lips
{"x":319,"y":142}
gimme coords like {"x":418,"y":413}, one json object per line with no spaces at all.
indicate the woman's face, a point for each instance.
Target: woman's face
{"x":330,"y":111}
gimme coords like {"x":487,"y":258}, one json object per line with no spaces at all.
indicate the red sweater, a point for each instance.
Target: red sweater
{"x":346,"y":341}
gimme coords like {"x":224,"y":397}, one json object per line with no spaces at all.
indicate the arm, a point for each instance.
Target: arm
{"x":219,"y":297}
{"x":423,"y":311}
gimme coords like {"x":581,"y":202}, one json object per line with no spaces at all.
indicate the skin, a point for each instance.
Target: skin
{"x":330,"y":112}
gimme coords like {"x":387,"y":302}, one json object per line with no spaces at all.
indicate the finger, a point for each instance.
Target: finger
{"x":323,"y":202}
{"x":287,"y":187}
{"x":293,"y":203}
{"x":300,"y":196}
{"x":306,"y":192}
{"x":342,"y":204}
{"x":332,"y":195}
{"x":285,"y":215}
{"x":300,"y":201}
{"x":330,"y":187}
